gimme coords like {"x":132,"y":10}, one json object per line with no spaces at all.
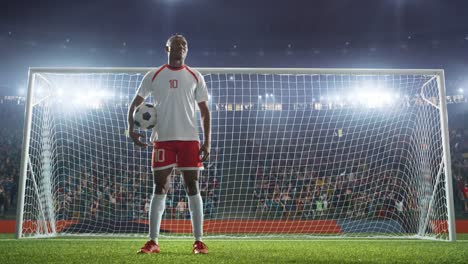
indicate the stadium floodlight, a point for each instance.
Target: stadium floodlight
{"x":460,"y":90}
{"x":342,"y":172}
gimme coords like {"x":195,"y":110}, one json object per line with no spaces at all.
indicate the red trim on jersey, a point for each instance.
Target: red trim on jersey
{"x":158,"y":71}
{"x":194,"y":76}
{"x":175,"y":68}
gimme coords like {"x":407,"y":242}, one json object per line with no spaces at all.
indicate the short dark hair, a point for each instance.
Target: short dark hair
{"x":171,"y":38}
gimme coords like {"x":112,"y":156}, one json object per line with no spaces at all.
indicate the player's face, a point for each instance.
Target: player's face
{"x":178,"y":49}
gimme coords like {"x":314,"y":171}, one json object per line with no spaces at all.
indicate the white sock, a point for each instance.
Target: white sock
{"x":158,"y":204}
{"x":196,"y":212}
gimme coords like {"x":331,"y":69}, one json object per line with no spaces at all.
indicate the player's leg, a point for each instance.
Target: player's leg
{"x":196,"y":209}
{"x":157,"y":207}
{"x":163,"y":163}
{"x":158,"y":202}
{"x":189,"y":163}
{"x":195,"y":202}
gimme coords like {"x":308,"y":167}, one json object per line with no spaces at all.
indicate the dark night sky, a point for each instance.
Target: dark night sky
{"x":255,"y":33}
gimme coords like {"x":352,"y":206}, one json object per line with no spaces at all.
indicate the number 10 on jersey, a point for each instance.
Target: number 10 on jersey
{"x":173,"y":84}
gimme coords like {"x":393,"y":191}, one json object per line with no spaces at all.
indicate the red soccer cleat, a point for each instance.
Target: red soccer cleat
{"x":149,"y":248}
{"x":199,"y":248}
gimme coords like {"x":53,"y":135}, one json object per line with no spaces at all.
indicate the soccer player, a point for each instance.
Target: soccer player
{"x":177,"y":90}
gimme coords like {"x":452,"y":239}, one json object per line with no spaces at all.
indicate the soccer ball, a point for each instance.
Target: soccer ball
{"x":144,"y":116}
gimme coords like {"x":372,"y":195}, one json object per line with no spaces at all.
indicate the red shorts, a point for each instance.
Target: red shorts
{"x":181,"y":154}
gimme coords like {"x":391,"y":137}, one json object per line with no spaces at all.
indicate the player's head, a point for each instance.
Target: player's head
{"x":177,"y":47}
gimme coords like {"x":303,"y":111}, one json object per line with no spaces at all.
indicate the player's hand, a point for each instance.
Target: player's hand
{"x":136,"y":138}
{"x":204,"y":151}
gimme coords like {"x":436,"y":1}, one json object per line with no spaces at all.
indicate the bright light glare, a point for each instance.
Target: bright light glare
{"x":59,"y":92}
{"x":39,"y":91}
{"x":387,"y":98}
{"x":374,"y":95}
{"x":86,"y":94}
{"x":87,"y":102}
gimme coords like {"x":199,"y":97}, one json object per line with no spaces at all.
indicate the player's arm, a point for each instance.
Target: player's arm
{"x":206,"y":125}
{"x":138,"y":100}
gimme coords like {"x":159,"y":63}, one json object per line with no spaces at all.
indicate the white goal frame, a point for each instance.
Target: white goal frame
{"x":438,"y":73}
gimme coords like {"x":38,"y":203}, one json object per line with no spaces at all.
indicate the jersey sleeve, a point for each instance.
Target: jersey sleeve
{"x":145,"y":86}
{"x":201,"y":92}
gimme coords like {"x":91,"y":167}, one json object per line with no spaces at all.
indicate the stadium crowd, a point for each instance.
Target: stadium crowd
{"x":370,"y":186}
{"x":459,"y":149}
{"x":284,"y":179}
{"x":11,"y":116}
{"x":311,"y":184}
{"x":353,"y":177}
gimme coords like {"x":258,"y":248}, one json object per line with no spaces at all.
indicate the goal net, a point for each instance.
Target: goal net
{"x":295,"y":152}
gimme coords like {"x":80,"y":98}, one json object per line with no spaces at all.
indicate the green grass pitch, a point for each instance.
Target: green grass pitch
{"x":122,"y":250}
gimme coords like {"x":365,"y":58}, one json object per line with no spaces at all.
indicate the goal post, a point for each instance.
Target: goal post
{"x":446,"y":155}
{"x":295,"y":152}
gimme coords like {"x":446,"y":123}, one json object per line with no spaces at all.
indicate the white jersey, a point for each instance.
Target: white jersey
{"x":176,"y":93}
